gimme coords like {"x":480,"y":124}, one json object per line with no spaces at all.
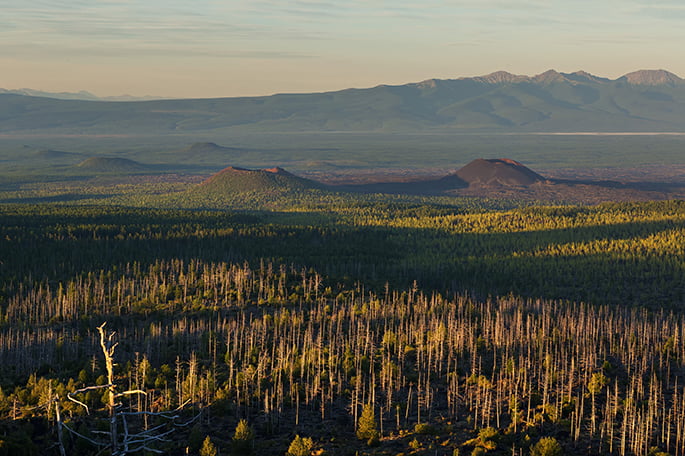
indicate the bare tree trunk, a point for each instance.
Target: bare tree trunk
{"x":108,"y":346}
{"x":58,"y":418}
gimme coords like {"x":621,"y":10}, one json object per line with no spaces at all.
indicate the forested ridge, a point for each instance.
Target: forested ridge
{"x":367,"y":326}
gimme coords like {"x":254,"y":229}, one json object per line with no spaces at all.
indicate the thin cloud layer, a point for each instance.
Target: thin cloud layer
{"x":307,"y":45}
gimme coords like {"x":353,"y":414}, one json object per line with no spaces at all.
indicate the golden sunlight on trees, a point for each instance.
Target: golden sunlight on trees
{"x":300,"y":446}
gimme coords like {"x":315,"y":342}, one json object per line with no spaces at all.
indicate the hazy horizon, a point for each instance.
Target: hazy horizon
{"x":86,"y":95}
{"x":248,"y":48}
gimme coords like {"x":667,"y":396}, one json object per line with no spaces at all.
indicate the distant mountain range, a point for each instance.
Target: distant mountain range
{"x":81,"y":95}
{"x":646,"y":100}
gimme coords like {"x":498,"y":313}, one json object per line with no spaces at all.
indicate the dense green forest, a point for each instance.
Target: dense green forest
{"x":343,"y":325}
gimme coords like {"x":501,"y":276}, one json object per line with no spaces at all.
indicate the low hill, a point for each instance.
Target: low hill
{"x":208,"y":148}
{"x":112,"y":165}
{"x":249,"y":189}
{"x":233,"y":180}
{"x":52,"y":155}
{"x":202,"y":154}
{"x":478,"y":174}
{"x":497,"y":172}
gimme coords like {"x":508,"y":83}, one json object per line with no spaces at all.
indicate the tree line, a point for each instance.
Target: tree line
{"x":280,"y":348}
{"x":356,"y":327}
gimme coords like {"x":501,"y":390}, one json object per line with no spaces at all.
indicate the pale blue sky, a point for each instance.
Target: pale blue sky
{"x":207,"y":48}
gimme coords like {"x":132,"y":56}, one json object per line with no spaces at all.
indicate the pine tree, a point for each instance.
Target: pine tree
{"x":243,"y":438}
{"x":300,"y":446}
{"x":367,"y":428}
{"x":208,"y":448}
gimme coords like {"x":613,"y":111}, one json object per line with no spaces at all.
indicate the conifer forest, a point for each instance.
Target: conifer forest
{"x":312,"y":322}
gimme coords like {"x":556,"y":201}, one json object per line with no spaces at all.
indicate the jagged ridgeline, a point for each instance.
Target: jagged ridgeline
{"x":551,"y":101}
{"x":252,"y":188}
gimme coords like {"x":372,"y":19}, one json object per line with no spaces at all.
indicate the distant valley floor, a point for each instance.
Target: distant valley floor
{"x":564,"y":185}
{"x":574,"y":185}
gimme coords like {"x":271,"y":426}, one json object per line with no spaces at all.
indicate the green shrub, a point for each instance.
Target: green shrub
{"x":424,"y":428}
{"x":243,"y":438}
{"x":208,"y":448}
{"x":547,"y":446}
{"x":656,"y":451}
{"x":415,"y":444}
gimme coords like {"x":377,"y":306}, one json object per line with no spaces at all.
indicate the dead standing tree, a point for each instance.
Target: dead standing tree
{"x":120,"y":438}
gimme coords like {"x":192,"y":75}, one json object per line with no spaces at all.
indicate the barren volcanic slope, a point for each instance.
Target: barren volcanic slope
{"x":480,"y":174}
{"x":496,"y":172}
{"x":506,"y":178}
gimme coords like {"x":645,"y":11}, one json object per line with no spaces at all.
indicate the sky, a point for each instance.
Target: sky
{"x":212,"y":48}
